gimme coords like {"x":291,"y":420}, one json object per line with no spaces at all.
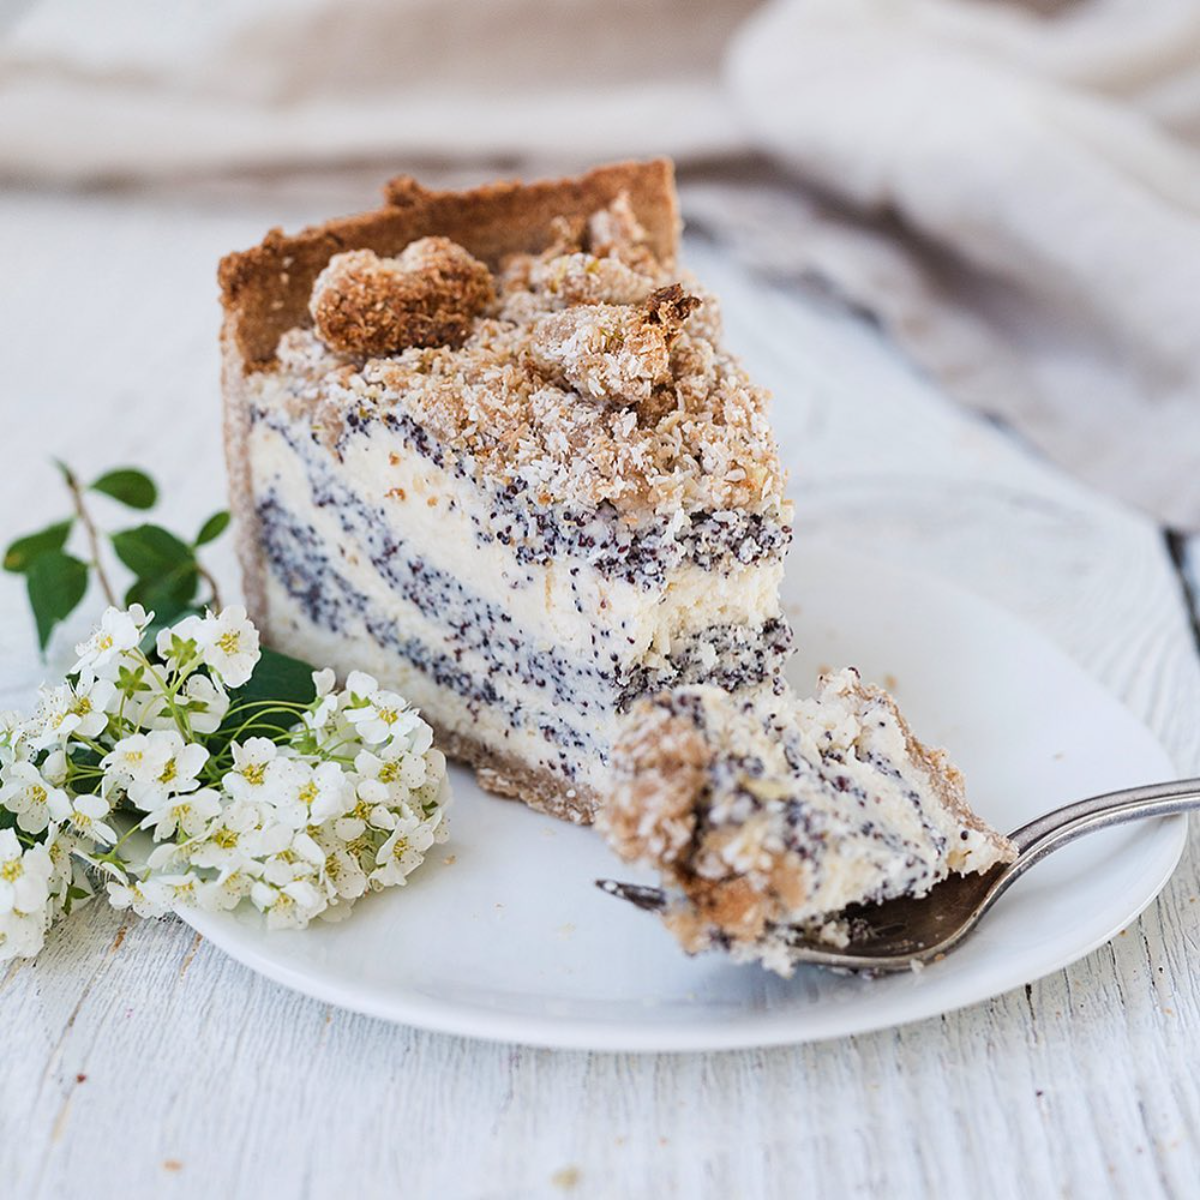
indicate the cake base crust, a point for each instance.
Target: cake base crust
{"x":505,"y":776}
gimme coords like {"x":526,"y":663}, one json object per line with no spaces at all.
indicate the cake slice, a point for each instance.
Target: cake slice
{"x":765,"y":813}
{"x":489,"y":446}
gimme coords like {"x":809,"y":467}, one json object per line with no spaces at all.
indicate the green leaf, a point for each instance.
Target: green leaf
{"x":212,"y":528}
{"x":131,"y":487}
{"x":277,"y":679}
{"x":22,"y":553}
{"x":151,"y":552}
{"x":169,"y":596}
{"x":56,"y":582}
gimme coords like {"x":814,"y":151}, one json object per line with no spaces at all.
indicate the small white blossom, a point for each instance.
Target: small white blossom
{"x":188,"y":813}
{"x":22,"y":935}
{"x":66,"y":712}
{"x":361,"y":686}
{"x":201,"y":701}
{"x":138,"y":758}
{"x":179,"y":644}
{"x":289,"y":907}
{"x":399,"y":769}
{"x":24,"y":876}
{"x":130,"y":895}
{"x":55,"y":767}
{"x":325,"y":706}
{"x":301,"y":858}
{"x":172,"y":891}
{"x":14,"y":737}
{"x":205,"y":703}
{"x":344,"y":874}
{"x":34,"y":798}
{"x":311,"y":795}
{"x":228,"y":643}
{"x":403,"y":852}
{"x":87,"y":818}
{"x":167,"y":766}
{"x":225,"y":892}
{"x":248,"y":779}
{"x":385,"y":715}
{"x":67,"y":871}
{"x":243,"y":834}
{"x":118,"y":632}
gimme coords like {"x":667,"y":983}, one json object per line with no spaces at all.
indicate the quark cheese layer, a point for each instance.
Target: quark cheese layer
{"x":375,"y":559}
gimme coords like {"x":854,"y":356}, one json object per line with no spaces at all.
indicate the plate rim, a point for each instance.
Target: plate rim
{"x":470,"y":1020}
{"x":586,"y":1034}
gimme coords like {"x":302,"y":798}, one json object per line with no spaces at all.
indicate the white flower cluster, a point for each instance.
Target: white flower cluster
{"x":299,"y":809}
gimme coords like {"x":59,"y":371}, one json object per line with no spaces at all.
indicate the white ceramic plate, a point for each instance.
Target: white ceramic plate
{"x":512,"y":942}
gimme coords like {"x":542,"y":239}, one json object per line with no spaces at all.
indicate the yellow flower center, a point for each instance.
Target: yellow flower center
{"x":11,"y":870}
{"x":37,"y":794}
{"x":253,"y":772}
{"x":104,"y":642}
{"x":389,"y":771}
{"x":309,"y":792}
{"x":225,"y":838}
{"x":389,"y":716}
{"x":82,"y":706}
{"x":227,"y":643}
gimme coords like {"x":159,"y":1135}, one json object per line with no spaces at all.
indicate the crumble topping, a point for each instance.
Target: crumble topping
{"x":579,"y":278}
{"x":589,"y":374}
{"x":364,"y":304}
{"x":615,"y":232}
{"x":613,"y":352}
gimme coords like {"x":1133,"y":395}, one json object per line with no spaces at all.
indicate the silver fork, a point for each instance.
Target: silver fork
{"x":901,"y":934}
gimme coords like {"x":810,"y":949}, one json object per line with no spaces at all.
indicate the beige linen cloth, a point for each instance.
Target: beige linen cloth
{"x":1011,"y":186}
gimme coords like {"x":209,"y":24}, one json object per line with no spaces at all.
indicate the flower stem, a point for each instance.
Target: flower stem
{"x":93,"y":537}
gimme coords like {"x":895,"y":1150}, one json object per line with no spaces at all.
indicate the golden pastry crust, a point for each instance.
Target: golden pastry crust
{"x":265,"y":290}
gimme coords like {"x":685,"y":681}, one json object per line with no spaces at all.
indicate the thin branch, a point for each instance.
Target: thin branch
{"x":93,"y":537}
{"x":212,"y":583}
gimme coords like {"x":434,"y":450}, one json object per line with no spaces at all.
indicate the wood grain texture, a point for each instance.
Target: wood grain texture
{"x":140,"y":1061}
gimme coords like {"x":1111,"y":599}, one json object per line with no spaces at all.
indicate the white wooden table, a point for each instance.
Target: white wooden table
{"x":138,"y":1061}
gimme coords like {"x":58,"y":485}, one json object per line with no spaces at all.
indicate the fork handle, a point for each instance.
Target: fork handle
{"x":1064,"y":825}
{"x":1181,"y":795}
